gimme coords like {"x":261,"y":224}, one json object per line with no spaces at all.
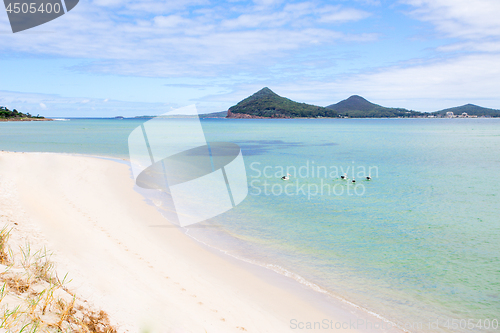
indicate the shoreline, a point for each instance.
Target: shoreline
{"x":25,"y":119}
{"x":239,"y":285}
{"x":296,"y":284}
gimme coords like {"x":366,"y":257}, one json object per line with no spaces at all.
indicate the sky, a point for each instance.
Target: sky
{"x":107,"y":58}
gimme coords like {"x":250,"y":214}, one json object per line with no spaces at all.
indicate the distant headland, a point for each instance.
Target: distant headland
{"x":14,"y":115}
{"x":267,"y":104}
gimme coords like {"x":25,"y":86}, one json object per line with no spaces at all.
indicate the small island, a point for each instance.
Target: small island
{"x":14,"y":115}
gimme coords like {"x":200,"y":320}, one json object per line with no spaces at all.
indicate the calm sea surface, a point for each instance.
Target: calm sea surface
{"x":419,"y":242}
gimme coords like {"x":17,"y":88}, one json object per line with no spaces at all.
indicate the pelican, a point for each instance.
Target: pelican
{"x":353,"y":180}
{"x":368,"y":178}
{"x":286,"y":177}
{"x":344,"y":176}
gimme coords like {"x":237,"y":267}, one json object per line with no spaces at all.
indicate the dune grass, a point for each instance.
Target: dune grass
{"x":34,"y":299}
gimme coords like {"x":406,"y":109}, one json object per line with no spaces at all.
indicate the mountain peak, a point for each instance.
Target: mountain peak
{"x":357,"y":98}
{"x":264,"y":92}
{"x":355,"y":102}
{"x":265,"y":103}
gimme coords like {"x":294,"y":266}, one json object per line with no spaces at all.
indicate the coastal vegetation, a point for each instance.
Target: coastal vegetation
{"x":358,"y":107}
{"x":471,"y":110}
{"x":34,"y":299}
{"x":6,"y":114}
{"x":267,"y":104}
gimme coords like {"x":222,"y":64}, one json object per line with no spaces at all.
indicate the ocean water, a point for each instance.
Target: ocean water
{"x":419,"y":244}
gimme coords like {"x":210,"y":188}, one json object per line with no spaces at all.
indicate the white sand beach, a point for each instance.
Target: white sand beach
{"x":85,"y":211}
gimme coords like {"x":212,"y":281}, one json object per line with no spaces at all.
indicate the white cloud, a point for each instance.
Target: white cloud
{"x":475,"y":76}
{"x":147,"y":6}
{"x":471,"y":75}
{"x":460,"y":18}
{"x":183,"y":42}
{"x":73,"y":106}
{"x":343,"y":15}
{"x":170,"y":21}
{"x":297,"y":14}
{"x":424,"y":87}
{"x":472,"y":46}
{"x":257,"y":20}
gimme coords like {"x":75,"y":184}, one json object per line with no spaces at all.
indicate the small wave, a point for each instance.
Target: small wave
{"x":60,"y":119}
{"x":285,"y":272}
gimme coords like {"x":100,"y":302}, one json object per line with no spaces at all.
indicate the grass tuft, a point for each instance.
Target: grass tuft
{"x":33,"y":299}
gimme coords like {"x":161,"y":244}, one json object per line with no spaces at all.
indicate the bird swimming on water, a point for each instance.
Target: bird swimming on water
{"x":353,"y":180}
{"x":286,"y":177}
{"x":368,"y":178}
{"x":344,"y":176}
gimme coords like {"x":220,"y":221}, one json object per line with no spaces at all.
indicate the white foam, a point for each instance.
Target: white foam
{"x":285,"y":272}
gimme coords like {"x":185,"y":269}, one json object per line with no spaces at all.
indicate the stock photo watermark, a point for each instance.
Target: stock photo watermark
{"x":362,"y":324}
{"x":28,"y":14}
{"x":329,"y":324}
{"x":310,"y":180}
{"x":201,"y":179}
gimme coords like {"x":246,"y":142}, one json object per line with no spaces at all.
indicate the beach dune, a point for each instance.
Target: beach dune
{"x":146,"y":278}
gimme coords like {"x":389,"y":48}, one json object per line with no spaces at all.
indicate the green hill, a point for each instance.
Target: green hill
{"x":470,"y":109}
{"x":6,"y":114}
{"x":358,"y":107}
{"x":266,"y":104}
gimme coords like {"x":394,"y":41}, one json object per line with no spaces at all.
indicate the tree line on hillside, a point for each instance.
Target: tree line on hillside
{"x":266,"y":103}
{"x":5,"y":113}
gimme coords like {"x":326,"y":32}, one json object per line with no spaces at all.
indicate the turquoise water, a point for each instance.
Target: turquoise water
{"x":419,"y":242}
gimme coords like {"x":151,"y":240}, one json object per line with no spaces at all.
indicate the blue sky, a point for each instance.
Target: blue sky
{"x":128,"y":57}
